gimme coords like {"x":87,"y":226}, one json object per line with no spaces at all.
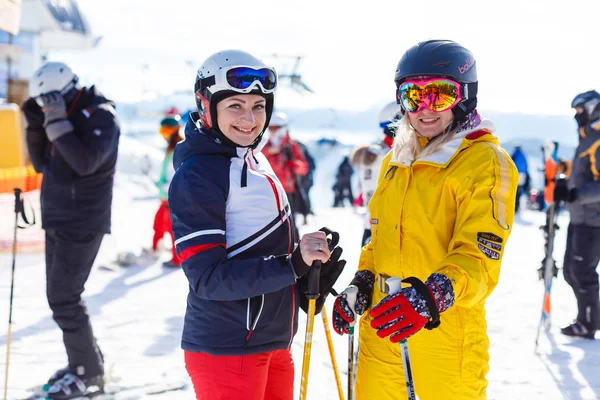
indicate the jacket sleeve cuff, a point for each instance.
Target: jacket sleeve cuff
{"x":57,"y":129}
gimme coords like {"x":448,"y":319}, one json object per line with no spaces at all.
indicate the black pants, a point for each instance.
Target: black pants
{"x":341,"y":191}
{"x":69,"y":259}
{"x":581,"y":259}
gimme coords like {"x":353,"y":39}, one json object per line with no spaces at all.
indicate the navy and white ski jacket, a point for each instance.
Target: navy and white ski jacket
{"x":232,"y":227}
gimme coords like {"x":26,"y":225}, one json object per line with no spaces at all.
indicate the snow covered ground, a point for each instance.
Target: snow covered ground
{"x":137,"y":311}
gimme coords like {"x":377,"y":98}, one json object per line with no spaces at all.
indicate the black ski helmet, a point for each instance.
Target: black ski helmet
{"x":443,"y":58}
{"x":590,"y":102}
{"x":210,"y":88}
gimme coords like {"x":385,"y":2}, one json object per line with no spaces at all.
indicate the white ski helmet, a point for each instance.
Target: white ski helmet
{"x":279,"y":119}
{"x":52,"y":77}
{"x":226,"y":74}
{"x":389,"y":114}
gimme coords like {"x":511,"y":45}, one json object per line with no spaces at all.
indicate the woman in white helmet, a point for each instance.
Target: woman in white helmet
{"x":231,"y":220}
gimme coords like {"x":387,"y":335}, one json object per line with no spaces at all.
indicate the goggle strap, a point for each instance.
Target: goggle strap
{"x":469,"y":90}
{"x":204,"y":83}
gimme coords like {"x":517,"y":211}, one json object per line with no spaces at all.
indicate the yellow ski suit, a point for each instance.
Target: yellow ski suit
{"x":449,"y":212}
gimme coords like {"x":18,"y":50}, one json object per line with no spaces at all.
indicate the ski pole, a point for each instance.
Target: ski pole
{"x":332,"y":354}
{"x":351,"y":363}
{"x":19,"y":209}
{"x":312,"y":294}
{"x":394,"y":287}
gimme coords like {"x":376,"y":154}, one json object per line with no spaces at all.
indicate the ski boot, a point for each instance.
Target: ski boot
{"x":72,"y":386}
{"x":578,"y":329}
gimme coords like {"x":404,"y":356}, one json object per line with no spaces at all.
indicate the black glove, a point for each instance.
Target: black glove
{"x":561,"y":190}
{"x":55,"y":116}
{"x":330,"y":271}
{"x":33,"y":114}
{"x":298,"y":264}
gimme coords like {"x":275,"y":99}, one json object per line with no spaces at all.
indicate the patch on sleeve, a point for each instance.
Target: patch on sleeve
{"x":489,"y":236}
{"x":489,"y":253}
{"x":491,"y":245}
{"x":374,"y":221}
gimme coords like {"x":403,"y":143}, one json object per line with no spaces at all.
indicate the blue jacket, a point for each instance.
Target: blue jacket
{"x":520,"y":160}
{"x":232,"y":228}
{"x":79,"y":167}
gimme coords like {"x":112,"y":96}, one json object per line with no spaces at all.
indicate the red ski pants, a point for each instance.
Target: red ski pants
{"x":162,"y":225}
{"x":264,"y":376}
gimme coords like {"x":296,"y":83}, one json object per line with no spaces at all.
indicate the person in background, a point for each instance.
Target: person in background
{"x":233,"y":231}
{"x":368,"y":159}
{"x":73,"y":137}
{"x":307,"y":181}
{"x":520,"y":160}
{"x":169,"y":130}
{"x":442,"y":214}
{"x":288,"y":163}
{"x":342,"y":189}
{"x":550,"y":152}
{"x":582,"y":195}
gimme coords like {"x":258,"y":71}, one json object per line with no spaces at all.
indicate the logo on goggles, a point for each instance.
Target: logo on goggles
{"x":467,"y":66}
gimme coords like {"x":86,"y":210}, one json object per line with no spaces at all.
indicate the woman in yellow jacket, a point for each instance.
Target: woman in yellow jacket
{"x":442,"y":213}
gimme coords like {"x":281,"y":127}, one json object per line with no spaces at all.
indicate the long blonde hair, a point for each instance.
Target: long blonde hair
{"x":406,"y":147}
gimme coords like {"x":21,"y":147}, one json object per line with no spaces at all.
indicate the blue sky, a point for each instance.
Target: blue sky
{"x":533,"y":56}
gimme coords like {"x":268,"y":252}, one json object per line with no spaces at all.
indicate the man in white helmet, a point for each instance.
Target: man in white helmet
{"x":367,"y":158}
{"x":72,"y":136}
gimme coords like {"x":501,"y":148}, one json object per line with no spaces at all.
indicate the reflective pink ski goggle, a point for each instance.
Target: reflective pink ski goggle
{"x":436,"y":94}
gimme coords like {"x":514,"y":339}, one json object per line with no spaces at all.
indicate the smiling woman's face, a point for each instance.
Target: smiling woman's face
{"x":429,"y":123}
{"x":242,"y":117}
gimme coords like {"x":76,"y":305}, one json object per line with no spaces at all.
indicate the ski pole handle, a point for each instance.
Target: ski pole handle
{"x":314,"y":280}
{"x":18,"y":201}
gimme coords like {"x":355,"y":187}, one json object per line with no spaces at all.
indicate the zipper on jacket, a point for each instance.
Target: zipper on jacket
{"x":251,"y":326}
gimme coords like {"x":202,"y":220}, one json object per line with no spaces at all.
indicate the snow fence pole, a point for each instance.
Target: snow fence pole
{"x":395,"y":287}
{"x":312,"y":294}
{"x":336,"y":373}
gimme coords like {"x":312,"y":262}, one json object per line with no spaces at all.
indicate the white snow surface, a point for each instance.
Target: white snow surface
{"x":137,"y":312}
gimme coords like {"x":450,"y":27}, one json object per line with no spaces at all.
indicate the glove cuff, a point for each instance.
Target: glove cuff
{"x":364,"y":281}
{"x":438,"y":294}
{"x":299,"y":267}
{"x":442,"y":290}
{"x":57,"y":129}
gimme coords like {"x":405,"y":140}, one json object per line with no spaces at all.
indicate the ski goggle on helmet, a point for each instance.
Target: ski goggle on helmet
{"x":437,"y":94}
{"x":242,"y":79}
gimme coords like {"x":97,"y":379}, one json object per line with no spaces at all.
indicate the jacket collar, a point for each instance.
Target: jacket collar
{"x":447,"y":151}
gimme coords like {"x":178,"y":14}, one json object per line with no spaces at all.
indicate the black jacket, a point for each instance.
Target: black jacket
{"x":79,"y":167}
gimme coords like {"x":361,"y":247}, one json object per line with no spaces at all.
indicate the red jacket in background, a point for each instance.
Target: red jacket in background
{"x":288,"y":161}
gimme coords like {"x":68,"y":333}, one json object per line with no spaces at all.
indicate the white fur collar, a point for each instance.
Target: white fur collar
{"x":402,"y":155}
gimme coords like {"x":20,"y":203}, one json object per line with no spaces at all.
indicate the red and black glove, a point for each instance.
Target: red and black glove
{"x":353,"y":301}
{"x":403,"y":314}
